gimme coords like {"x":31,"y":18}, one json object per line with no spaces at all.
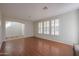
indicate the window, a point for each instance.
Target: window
{"x":55,"y":27}
{"x":46,"y":27}
{"x":49,"y":26}
{"x":14,"y":28}
{"x":52,"y":27}
{"x":40,"y":27}
{"x":8,"y":24}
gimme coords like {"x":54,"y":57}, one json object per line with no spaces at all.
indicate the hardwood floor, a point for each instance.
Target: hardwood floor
{"x":33,"y":46}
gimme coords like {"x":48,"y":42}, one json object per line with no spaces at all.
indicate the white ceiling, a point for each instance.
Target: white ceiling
{"x":34,"y":11}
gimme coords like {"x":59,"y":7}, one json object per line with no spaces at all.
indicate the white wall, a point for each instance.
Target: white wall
{"x":77,"y":45}
{"x":28,"y":29}
{"x":68,"y":28}
{"x":0,"y":30}
{"x":78,"y":26}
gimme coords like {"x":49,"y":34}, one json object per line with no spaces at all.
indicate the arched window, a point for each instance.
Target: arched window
{"x":14,"y":29}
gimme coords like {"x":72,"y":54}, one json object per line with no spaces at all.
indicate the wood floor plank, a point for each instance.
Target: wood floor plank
{"x":34,"y":46}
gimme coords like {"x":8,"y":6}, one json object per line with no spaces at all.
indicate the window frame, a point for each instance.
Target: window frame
{"x":54,"y":27}
{"x":40,"y":27}
{"x":46,"y":27}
